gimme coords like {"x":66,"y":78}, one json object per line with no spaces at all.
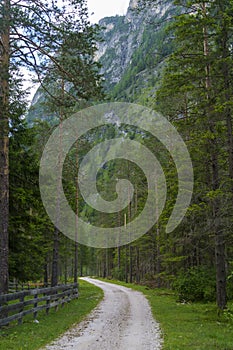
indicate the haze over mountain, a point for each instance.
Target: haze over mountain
{"x":131,"y":54}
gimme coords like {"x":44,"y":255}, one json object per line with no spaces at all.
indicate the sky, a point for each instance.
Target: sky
{"x":106,"y":8}
{"x":97,"y":9}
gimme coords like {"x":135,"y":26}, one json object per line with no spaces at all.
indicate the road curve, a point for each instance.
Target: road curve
{"x":122,"y":321}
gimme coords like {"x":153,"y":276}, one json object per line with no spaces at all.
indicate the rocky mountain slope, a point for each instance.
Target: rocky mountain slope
{"x":132,"y":44}
{"x":132,"y":52}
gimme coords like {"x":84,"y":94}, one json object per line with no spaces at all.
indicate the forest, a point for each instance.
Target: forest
{"x":193,"y":89}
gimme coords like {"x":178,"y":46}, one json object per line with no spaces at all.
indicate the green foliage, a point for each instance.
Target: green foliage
{"x":58,"y":44}
{"x":173,"y":61}
{"x":118,"y":273}
{"x":195,"y":284}
{"x":142,"y":72}
{"x":28,"y":221}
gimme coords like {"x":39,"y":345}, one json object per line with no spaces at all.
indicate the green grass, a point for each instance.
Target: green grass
{"x":33,"y":336}
{"x":193,"y":326}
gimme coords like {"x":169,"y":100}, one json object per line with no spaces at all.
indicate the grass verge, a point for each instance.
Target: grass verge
{"x":32,"y":336}
{"x":193,"y":326}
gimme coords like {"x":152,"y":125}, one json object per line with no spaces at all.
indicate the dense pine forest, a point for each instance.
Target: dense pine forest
{"x":180,"y":65}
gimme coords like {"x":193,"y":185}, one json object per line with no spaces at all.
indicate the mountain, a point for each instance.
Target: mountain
{"x":133,"y":48}
{"x":131,"y":52}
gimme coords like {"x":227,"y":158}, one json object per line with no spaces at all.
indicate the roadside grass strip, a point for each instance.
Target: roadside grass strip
{"x":192,"y":326}
{"x":33,"y":335}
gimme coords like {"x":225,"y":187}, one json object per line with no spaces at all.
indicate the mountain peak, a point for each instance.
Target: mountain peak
{"x":133,"y":4}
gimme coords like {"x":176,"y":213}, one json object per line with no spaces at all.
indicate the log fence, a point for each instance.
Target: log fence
{"x":15,"y":306}
{"x":18,"y":286}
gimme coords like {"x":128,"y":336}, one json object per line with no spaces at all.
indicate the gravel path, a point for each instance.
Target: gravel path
{"x":122,"y":321}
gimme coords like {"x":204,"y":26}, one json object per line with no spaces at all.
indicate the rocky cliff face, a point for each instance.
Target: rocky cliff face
{"x":132,"y":53}
{"x":124,"y":35}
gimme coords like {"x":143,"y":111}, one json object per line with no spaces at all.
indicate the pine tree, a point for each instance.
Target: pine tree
{"x":197,"y":87}
{"x":32,"y":34}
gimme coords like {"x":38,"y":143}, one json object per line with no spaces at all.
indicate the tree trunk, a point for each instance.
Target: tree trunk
{"x":126,"y":264}
{"x":126,"y":253}
{"x":76,"y":224}
{"x":220,"y":270}
{"x":220,"y":260}
{"x":107,"y":262}
{"x":119,"y":248}
{"x":227,"y":98}
{"x":220,"y":250}
{"x":46,"y":277}
{"x":75,"y":262}
{"x":137,"y":265}
{"x":130,"y":246}
{"x":54,"y":280}
{"x":158,"y":254}
{"x":4,"y":145}
{"x":81,"y":265}
{"x":130,"y":264}
{"x":158,"y":261}
{"x":130,"y":252}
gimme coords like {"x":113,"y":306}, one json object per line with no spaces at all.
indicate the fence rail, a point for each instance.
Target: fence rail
{"x":14,"y":306}
{"x":17,"y":286}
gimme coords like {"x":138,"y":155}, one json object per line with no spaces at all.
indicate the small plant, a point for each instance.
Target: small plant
{"x":228,"y":315}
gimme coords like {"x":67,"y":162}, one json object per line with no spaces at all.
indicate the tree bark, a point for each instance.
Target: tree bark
{"x":158,"y":254}
{"x":4,"y":145}
{"x":54,"y":279}
{"x":220,"y":250}
{"x":126,"y":253}
{"x":138,"y":265}
{"x":119,"y":248}
{"x":76,"y":223}
{"x":220,"y":260}
{"x":220,"y":270}
{"x":227,"y":95}
{"x":46,"y":275}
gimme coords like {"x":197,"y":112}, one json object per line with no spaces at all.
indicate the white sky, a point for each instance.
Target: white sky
{"x":97,"y":9}
{"x":106,"y":8}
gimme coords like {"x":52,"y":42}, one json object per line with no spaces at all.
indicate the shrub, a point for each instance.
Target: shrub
{"x":196,"y":284}
{"x":118,"y":274}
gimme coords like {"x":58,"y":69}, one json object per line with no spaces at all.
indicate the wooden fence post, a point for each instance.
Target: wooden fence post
{"x":35,"y":305}
{"x":21,"y":299}
{"x":12,"y":306}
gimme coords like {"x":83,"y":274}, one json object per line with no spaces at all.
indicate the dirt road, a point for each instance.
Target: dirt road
{"x":122,"y":321}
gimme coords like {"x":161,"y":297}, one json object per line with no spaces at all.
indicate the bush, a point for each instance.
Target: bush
{"x":118,"y":274}
{"x":196,"y":284}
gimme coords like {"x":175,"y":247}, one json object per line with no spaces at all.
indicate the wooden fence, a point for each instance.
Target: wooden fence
{"x":16,"y":286}
{"x":15,"y":306}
